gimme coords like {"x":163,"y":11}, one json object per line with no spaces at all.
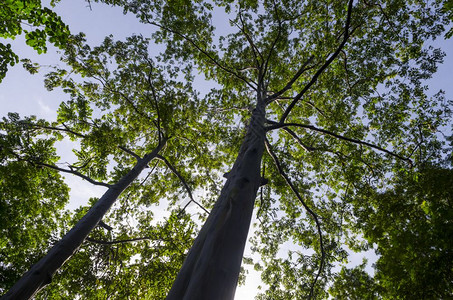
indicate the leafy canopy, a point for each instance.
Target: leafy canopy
{"x":46,"y":26}
{"x":350,"y":122}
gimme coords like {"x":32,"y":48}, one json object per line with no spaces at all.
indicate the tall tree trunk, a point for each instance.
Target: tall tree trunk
{"x":211,"y":268}
{"x":42,"y":272}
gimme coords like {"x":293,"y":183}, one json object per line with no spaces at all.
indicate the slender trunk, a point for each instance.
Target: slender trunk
{"x":42,"y":272}
{"x":211,"y":268}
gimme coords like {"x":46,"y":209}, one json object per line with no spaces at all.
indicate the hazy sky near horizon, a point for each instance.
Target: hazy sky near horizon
{"x":24,"y":93}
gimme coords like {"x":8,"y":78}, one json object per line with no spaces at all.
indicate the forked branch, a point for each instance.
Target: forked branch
{"x":311,"y":212}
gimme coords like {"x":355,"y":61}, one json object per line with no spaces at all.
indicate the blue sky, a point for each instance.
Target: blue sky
{"x":24,"y":93}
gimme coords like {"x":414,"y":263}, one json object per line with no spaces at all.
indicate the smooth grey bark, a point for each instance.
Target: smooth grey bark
{"x":211,"y":268}
{"x":42,"y":272}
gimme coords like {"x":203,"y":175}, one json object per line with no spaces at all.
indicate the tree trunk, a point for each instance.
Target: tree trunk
{"x":42,"y":272}
{"x":211,"y":268}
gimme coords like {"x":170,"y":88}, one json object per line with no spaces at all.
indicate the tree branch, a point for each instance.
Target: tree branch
{"x":37,"y":163}
{"x":274,"y":42}
{"x":105,"y":226}
{"x":155,"y":103}
{"x":356,"y":141}
{"x":204,"y":52}
{"x":73,"y":173}
{"x":299,"y":73}
{"x":311,"y":212}
{"x":131,"y":103}
{"x":54,"y":128}
{"x":186,"y":186}
{"x":256,"y":51}
{"x":323,"y":67}
{"x":68,"y":130}
{"x":118,"y":241}
{"x":297,"y":138}
{"x":130,"y":152}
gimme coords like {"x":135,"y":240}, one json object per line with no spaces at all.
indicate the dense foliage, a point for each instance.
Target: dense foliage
{"x":31,"y":198}
{"x":45,"y":24}
{"x":358,"y":149}
{"x":409,"y":226}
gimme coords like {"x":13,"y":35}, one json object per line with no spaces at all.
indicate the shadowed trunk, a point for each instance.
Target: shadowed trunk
{"x":211,"y":268}
{"x":42,"y":272}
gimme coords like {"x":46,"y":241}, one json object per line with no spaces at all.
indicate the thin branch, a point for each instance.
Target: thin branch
{"x":310,"y":103}
{"x":186,"y":186}
{"x":345,"y":64}
{"x":68,"y":130}
{"x":105,"y":226}
{"x":274,"y":42}
{"x":204,"y":52}
{"x":155,"y":103}
{"x":299,"y":73}
{"x":352,"y":140}
{"x":324,"y":66}
{"x":89,"y":5}
{"x":256,"y":51}
{"x":73,"y":173}
{"x":85,"y":163}
{"x":316,"y":108}
{"x":118,"y":241}
{"x":131,"y":103}
{"x":311,"y":212}
{"x":297,"y":138}
{"x":130,"y":152}
{"x":392,"y":25}
{"x":37,"y":163}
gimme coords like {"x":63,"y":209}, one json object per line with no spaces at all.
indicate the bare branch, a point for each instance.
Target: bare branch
{"x":186,"y":186}
{"x":311,"y":212}
{"x":324,"y":66}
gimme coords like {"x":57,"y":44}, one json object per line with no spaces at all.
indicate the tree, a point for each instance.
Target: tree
{"x":143,"y":117}
{"x":46,"y":23}
{"x":329,"y":98}
{"x":409,"y":224}
{"x":31,"y":198}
